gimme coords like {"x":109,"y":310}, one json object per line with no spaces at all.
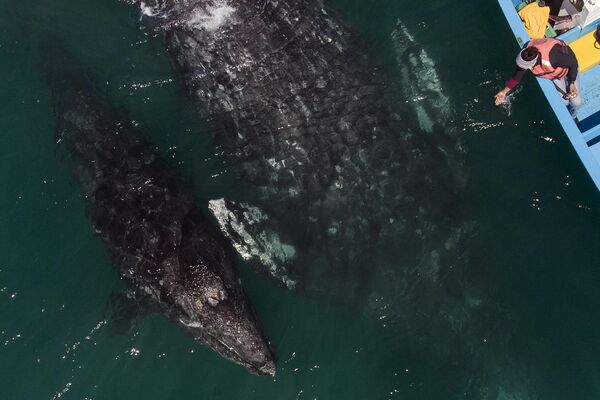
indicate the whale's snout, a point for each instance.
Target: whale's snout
{"x":267,"y":368}
{"x":221,"y":316}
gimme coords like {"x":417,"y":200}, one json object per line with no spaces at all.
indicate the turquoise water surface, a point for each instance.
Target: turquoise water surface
{"x":534,"y":254}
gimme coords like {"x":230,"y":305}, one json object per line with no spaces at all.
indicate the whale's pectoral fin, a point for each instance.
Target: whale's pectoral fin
{"x":421,"y":84}
{"x":124,"y":309}
{"x":248,"y":229}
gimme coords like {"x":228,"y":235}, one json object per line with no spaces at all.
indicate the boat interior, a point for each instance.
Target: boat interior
{"x":576,"y":22}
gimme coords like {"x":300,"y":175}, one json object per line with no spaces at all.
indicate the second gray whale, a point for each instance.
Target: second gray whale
{"x":336,"y":158}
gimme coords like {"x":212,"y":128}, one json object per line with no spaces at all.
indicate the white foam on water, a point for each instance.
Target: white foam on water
{"x":147,"y":10}
{"x":548,"y":139}
{"x":150,"y":11}
{"x":211,"y":18}
{"x":62,"y":392}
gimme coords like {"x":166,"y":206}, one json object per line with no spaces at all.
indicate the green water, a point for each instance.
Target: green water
{"x":538,"y":216}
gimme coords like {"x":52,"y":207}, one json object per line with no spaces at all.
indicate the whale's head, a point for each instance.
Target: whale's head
{"x":215,"y":311}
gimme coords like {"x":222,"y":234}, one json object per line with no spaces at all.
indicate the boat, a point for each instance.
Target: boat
{"x":575,"y":23}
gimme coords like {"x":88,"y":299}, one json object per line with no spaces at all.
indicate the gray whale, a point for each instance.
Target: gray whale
{"x":161,"y":245}
{"x":336,"y":157}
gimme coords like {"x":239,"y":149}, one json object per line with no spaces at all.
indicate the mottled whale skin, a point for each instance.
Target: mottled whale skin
{"x":161,"y":245}
{"x":308,"y":120}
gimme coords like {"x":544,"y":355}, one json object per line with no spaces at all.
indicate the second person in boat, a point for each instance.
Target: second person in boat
{"x":551,"y":59}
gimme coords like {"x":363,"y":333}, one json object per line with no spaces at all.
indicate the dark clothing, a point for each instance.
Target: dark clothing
{"x":560,"y":56}
{"x":554,"y":6}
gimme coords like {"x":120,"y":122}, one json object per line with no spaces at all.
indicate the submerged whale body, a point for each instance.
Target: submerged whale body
{"x":317,"y":131}
{"x":161,"y":245}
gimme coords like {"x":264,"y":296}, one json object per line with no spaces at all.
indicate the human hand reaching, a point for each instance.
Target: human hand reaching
{"x":501,"y":96}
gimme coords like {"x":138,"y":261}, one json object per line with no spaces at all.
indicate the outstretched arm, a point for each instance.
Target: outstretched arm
{"x":510,"y":85}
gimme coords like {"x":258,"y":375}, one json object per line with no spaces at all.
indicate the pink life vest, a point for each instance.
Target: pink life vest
{"x":544,"y":69}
